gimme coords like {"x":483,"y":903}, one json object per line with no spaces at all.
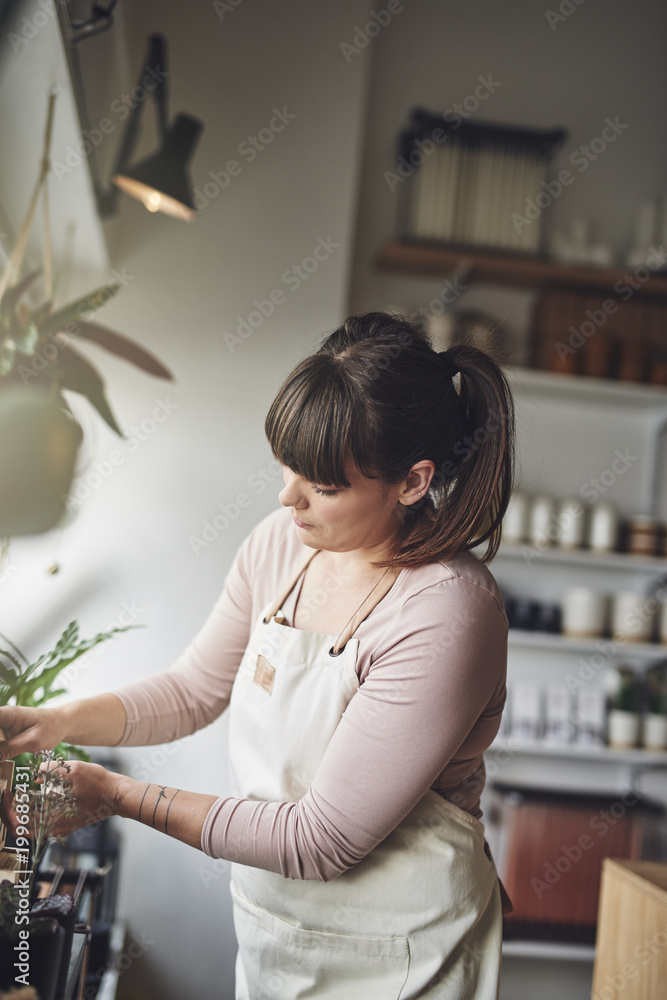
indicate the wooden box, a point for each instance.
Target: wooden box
{"x":631,"y":944}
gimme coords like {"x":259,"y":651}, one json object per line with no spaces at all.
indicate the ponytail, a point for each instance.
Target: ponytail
{"x":471,"y":490}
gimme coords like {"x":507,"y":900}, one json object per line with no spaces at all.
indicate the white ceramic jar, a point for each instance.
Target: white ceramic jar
{"x":542,"y":527}
{"x":584,"y":612}
{"x":662,"y":620}
{"x":603,"y":527}
{"x":515,"y":521}
{"x":623,"y":731}
{"x":654,"y":732}
{"x":632,"y":617}
{"x":571,"y":520}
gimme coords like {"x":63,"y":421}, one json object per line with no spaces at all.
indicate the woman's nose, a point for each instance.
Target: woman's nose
{"x":292,"y":495}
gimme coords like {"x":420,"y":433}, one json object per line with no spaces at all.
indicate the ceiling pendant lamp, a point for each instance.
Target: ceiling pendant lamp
{"x":162,"y":181}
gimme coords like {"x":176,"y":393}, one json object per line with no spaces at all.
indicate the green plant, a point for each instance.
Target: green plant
{"x":656,"y":689}
{"x":627,"y":696}
{"x":33,"y":684}
{"x":26,"y":332}
{"x":39,"y":436}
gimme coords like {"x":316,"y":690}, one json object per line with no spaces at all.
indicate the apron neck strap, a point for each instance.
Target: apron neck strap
{"x":380,"y":590}
{"x":275,"y":607}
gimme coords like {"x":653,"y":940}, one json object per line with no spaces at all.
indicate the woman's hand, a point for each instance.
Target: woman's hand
{"x":28,"y":730}
{"x":95,"y":790}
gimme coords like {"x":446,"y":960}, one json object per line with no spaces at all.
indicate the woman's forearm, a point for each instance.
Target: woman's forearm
{"x":98,"y":721}
{"x":173,"y":811}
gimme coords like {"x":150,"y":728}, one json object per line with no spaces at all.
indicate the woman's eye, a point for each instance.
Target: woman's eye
{"x":325,"y":493}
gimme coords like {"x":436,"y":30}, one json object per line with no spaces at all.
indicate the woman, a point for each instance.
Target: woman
{"x":361,"y":649}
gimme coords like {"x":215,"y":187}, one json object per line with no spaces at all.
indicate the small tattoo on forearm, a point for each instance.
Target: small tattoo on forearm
{"x":142,"y":801}
{"x":162,"y":795}
{"x":166,"y":819}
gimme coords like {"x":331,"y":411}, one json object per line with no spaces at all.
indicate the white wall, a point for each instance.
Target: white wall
{"x":605,"y":59}
{"x":186,"y":285}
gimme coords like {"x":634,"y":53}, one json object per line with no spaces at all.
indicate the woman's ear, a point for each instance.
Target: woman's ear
{"x":417,"y":482}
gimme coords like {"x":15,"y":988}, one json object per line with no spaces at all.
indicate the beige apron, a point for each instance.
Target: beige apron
{"x":419,"y":916}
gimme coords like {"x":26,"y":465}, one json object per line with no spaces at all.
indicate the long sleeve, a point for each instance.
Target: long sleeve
{"x":436,"y":687}
{"x":196,"y":689}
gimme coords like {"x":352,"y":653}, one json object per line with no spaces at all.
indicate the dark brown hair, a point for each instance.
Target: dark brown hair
{"x":377,"y":392}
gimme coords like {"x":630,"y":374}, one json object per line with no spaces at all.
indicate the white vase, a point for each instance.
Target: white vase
{"x":623,"y":729}
{"x":654,"y":734}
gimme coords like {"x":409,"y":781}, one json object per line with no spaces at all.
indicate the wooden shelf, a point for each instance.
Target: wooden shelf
{"x":536,"y":384}
{"x":559,"y":643}
{"x":434,"y":260}
{"x":582,"y":557}
{"x":635,"y":757}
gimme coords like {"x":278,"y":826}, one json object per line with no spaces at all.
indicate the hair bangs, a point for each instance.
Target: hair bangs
{"x":310,"y":424}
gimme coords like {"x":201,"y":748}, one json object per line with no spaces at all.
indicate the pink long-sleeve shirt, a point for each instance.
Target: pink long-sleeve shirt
{"x":431,"y":664}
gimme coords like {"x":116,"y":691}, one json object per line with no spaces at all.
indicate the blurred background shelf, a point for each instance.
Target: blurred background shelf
{"x":582,"y":557}
{"x":565,"y":644}
{"x":437,"y":260}
{"x":587,"y":389}
{"x":633,"y":756}
{"x":549,"y":950}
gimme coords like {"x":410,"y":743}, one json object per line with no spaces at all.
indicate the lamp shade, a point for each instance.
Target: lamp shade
{"x":162,"y":181}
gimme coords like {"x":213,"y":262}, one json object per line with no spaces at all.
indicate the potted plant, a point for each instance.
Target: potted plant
{"x":39,"y":436}
{"x":624,"y":705}
{"x":50,"y":940}
{"x":654,"y":736}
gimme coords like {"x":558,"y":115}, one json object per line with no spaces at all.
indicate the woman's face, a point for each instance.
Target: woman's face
{"x":362,"y":515}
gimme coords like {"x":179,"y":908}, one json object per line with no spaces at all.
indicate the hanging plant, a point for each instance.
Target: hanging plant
{"x":39,"y":436}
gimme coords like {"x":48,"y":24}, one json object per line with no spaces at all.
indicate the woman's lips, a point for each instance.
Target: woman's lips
{"x":300,"y":524}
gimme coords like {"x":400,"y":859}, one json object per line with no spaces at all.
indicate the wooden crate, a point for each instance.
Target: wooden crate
{"x":631,"y":944}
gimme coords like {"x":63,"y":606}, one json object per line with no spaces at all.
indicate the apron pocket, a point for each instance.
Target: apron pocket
{"x":280,"y":960}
